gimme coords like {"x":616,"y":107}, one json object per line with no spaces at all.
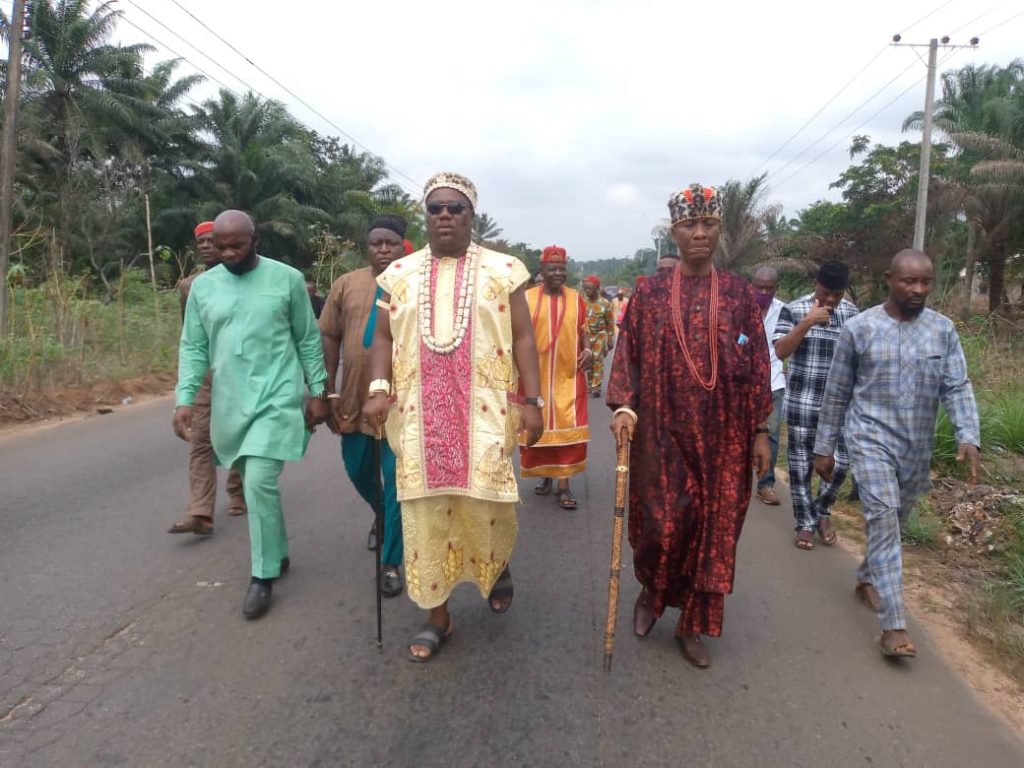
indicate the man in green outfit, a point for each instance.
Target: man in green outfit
{"x":249,"y":321}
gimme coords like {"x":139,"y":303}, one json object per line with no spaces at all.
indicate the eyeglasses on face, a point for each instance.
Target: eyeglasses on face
{"x":434,"y":209}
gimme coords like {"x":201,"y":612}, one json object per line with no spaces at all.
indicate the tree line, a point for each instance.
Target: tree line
{"x":975,"y":211}
{"x":100,"y":138}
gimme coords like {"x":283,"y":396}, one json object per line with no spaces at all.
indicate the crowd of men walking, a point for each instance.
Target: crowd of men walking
{"x":434,"y":366}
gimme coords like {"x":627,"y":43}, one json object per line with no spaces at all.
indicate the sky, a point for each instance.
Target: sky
{"x":578,"y":120}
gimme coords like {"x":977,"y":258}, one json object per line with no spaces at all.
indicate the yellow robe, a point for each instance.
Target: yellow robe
{"x":453,"y":427}
{"x":562,"y":449}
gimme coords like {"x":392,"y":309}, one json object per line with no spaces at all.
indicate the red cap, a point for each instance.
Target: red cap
{"x":204,"y":228}
{"x":409,"y":247}
{"x":553,"y":254}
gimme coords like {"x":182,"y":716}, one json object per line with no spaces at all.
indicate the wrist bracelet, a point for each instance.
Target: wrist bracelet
{"x":380,"y":385}
{"x":630,"y":411}
{"x":333,"y":396}
{"x":762,"y":431}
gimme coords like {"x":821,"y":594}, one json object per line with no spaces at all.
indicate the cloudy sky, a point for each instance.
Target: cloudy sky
{"x":578,"y":119}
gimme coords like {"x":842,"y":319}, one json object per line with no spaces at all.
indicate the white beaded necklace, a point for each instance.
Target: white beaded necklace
{"x":463,"y":307}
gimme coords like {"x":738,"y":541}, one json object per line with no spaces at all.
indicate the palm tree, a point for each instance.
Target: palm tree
{"x":485,"y":228}
{"x":259,"y":161}
{"x":76,"y":87}
{"x":745,"y":221}
{"x":982,"y":112}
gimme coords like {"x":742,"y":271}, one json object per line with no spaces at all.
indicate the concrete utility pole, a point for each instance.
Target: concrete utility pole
{"x":926,"y":148}
{"x":926,"y":131}
{"x":9,"y":151}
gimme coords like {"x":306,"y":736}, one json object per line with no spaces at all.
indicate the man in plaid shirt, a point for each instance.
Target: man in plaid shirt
{"x":806,"y":332}
{"x":893,"y":365}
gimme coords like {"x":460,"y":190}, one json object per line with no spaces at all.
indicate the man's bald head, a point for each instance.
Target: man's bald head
{"x":909,"y":258}
{"x":766,"y":275}
{"x":910,"y":281}
{"x":235,"y":222}
{"x":234,"y":235}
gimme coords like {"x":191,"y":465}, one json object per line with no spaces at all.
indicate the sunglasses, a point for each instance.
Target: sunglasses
{"x":434,"y":209}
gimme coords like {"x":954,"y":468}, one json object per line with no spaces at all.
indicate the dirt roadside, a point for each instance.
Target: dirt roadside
{"x":20,"y":414}
{"x":934,"y":599}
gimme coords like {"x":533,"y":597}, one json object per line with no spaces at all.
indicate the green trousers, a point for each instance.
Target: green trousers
{"x":357,"y":455}
{"x":268,"y":538}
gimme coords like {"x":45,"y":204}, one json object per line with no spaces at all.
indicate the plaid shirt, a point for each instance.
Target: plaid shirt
{"x":888,"y":380}
{"x":809,"y":364}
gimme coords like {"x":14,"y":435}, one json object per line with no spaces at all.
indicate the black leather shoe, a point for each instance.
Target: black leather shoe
{"x":257,"y":599}
{"x":391,"y":581}
{"x":371,"y":539}
{"x":286,"y":563}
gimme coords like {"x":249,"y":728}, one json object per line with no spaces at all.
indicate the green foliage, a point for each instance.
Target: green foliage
{"x":62,"y":332}
{"x":98,"y":136}
{"x":921,"y":528}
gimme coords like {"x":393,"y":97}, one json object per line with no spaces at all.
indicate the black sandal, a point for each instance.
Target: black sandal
{"x":503,"y":588}
{"x":431,"y":637}
{"x":566,"y":500}
{"x":543,"y":488}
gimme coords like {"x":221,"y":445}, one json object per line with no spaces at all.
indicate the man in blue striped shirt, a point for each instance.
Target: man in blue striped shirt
{"x":893,"y":365}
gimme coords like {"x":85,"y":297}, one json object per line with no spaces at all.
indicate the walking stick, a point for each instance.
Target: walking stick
{"x":621,"y":483}
{"x":378,"y":522}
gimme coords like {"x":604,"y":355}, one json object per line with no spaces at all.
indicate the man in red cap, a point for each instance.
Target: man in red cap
{"x":202,"y":473}
{"x":689,"y":388}
{"x":601,"y":326}
{"x":560,"y":329}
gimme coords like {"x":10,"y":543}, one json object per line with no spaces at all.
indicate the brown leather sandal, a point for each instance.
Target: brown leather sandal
{"x":804,"y":540}
{"x":891,"y":648}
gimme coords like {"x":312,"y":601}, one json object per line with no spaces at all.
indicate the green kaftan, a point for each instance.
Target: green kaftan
{"x":257,"y":333}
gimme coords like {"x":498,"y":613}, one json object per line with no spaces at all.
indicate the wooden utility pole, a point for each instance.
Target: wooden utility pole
{"x":9,"y":151}
{"x":149,"y":244}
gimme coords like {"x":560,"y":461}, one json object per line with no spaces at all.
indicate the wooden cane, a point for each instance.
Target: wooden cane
{"x":621,"y":485}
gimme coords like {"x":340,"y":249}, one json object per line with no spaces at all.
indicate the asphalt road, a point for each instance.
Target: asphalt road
{"x":123,"y":646}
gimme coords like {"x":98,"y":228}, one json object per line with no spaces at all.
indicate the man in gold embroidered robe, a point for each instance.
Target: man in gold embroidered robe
{"x":451,"y":346}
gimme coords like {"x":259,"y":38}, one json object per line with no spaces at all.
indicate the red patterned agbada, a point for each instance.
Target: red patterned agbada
{"x":691,"y":466}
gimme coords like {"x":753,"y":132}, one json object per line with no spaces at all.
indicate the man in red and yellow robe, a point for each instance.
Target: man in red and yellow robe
{"x":560,"y":328}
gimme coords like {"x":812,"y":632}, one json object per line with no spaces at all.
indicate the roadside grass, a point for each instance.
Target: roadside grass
{"x":922,"y":527}
{"x":61,"y":334}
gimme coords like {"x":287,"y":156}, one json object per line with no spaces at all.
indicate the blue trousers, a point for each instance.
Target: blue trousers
{"x":774,"y":426}
{"x":357,"y":456}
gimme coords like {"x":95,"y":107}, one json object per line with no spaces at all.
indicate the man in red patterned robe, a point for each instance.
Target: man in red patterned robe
{"x":696,"y":413}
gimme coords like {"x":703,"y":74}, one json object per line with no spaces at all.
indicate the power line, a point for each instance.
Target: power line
{"x":851,"y":133}
{"x":180,"y":56}
{"x":194,"y":48}
{"x":928,"y":15}
{"x":1002,"y":23}
{"x":976,"y":18}
{"x":298,"y":98}
{"x":415,"y":189}
{"x":825,"y":135}
{"x":840,"y":92}
{"x":825,"y":106}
